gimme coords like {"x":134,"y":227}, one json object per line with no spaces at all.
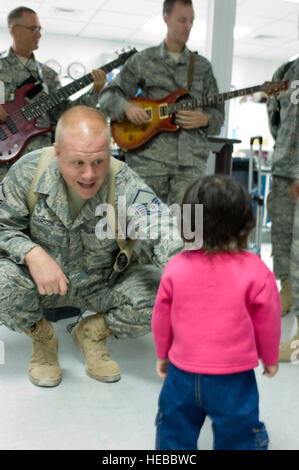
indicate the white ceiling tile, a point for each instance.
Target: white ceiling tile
{"x":134,"y":6}
{"x":280,"y":29}
{"x":252,"y":21}
{"x":100,"y":31}
{"x":146,"y":37}
{"x":266,"y":8}
{"x":119,"y":19}
{"x":76,"y":4}
{"x":10,"y":5}
{"x":54,"y":12}
{"x":62,"y":27}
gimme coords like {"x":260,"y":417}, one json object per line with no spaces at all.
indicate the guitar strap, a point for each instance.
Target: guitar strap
{"x":41,"y":76}
{"x":191,"y":69}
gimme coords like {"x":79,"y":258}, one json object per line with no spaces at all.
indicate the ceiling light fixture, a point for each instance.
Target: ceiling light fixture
{"x":240,"y":32}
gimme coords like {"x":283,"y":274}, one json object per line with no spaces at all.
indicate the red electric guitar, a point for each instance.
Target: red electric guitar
{"x":20,"y":126}
{"x":161,"y":112}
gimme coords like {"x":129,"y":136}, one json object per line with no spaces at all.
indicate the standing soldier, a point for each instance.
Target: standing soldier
{"x":170,"y":161}
{"x":284,"y":125}
{"x":19,"y":65}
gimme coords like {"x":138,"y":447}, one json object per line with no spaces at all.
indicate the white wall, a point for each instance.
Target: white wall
{"x":248,"y":118}
{"x":65,"y":49}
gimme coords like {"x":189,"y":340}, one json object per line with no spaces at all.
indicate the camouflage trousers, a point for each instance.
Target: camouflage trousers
{"x":281,"y":212}
{"x":127,"y":305}
{"x":168,"y":182}
{"x":3,"y":170}
{"x":294,"y":262}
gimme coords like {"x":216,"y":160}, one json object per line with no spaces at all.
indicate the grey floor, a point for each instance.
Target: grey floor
{"x":82,"y":413}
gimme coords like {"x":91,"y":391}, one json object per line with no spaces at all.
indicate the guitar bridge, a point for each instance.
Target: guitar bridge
{"x":163,"y":111}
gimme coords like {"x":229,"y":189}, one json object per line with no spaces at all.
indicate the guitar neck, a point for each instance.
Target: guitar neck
{"x":211,"y":100}
{"x":48,"y":102}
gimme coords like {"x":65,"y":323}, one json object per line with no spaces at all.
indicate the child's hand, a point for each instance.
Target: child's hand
{"x":161,"y":367}
{"x":270,"y":371}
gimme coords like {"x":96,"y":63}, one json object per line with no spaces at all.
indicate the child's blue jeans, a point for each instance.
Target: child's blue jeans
{"x":231,"y":401}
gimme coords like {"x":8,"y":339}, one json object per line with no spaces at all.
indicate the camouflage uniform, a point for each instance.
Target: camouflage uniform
{"x":170,"y":161}
{"x":13,"y":73}
{"x":285,"y":160}
{"x":85,"y":259}
{"x":294,"y":262}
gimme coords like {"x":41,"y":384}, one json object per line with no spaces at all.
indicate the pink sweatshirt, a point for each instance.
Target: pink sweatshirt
{"x":217,"y":315}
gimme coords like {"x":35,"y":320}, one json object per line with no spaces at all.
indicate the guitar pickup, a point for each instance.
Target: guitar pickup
{"x":149,"y":113}
{"x":3,"y":136}
{"x":11,"y":126}
{"x":163,"y":111}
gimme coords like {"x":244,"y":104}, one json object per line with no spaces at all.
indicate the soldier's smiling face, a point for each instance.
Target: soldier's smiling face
{"x":84,"y":159}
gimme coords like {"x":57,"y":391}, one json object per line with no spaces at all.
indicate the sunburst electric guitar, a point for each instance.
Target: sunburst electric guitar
{"x":161,"y":112}
{"x":20,"y":126}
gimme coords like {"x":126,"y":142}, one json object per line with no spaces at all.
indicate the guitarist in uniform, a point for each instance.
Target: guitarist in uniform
{"x":169,"y":161}
{"x":18,"y":66}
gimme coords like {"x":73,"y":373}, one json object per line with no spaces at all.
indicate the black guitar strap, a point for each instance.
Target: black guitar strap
{"x":41,"y":76}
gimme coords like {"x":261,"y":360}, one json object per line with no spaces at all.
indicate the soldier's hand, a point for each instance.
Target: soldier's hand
{"x":191,"y":119}
{"x":99,"y":78}
{"x":136,"y":114}
{"x":3,"y":114}
{"x":46,"y":273}
{"x":294,"y":191}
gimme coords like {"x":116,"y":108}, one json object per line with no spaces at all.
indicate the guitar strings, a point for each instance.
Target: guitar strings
{"x":18,"y":116}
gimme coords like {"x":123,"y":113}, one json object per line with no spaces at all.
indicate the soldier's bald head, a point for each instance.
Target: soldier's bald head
{"x":82,"y":122}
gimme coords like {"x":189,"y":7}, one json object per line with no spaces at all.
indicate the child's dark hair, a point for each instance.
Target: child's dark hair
{"x":228,"y":215}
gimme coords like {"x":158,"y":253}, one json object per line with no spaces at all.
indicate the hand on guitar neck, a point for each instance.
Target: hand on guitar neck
{"x":99,"y":79}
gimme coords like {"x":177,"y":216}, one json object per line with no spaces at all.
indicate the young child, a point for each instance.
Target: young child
{"x":217,"y":311}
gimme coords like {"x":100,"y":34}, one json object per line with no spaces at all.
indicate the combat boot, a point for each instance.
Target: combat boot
{"x":90,"y":336}
{"x":286,"y":298}
{"x":288,"y":350}
{"x":44,"y":369}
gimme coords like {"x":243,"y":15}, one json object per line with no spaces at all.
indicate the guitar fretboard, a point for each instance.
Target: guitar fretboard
{"x":211,"y":100}
{"x":47,"y":102}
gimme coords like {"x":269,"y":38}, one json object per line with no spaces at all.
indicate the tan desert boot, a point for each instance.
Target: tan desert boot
{"x":44,"y":369}
{"x":289,"y":350}
{"x":286,"y":298}
{"x":90,"y":336}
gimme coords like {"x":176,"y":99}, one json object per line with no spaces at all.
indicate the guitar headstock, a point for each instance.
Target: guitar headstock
{"x":121,"y":59}
{"x":274,"y":88}
{"x":124,"y":56}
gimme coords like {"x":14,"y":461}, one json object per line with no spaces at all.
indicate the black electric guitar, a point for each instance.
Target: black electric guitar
{"x":20,"y":126}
